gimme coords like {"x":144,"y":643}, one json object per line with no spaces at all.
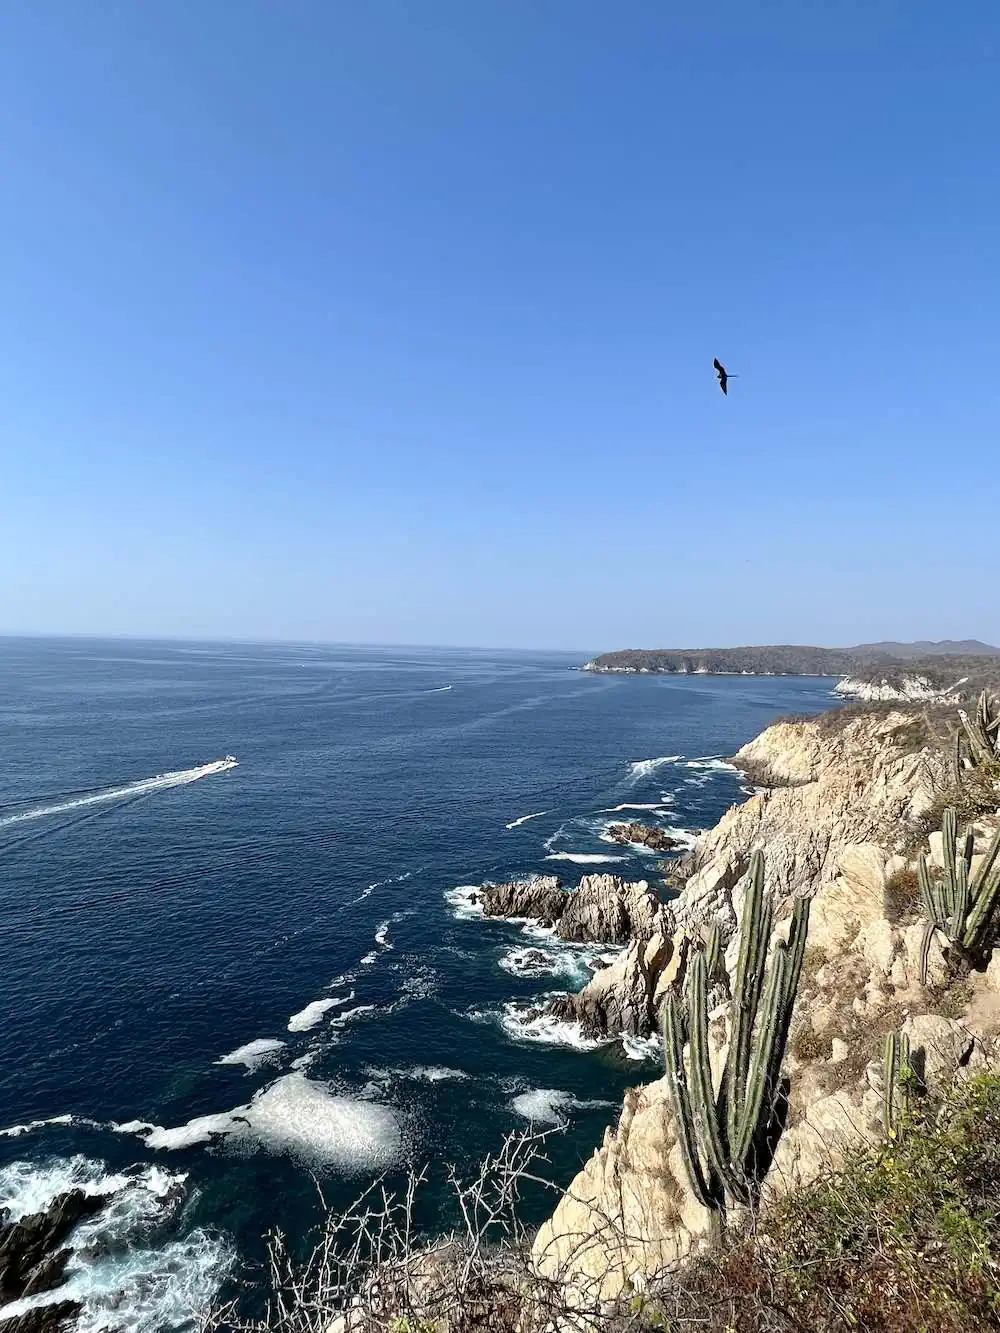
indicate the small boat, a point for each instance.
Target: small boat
{"x":230,"y":759}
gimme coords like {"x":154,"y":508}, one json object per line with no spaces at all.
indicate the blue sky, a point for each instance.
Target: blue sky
{"x":394,"y":322}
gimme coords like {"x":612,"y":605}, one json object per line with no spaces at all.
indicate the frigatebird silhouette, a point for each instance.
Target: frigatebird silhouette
{"x":723,"y":374}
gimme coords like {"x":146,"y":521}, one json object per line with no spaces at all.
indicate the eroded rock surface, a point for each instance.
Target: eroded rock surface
{"x":839,"y":835}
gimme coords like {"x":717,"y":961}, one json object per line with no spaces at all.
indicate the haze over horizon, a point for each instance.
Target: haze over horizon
{"x":340,"y":324}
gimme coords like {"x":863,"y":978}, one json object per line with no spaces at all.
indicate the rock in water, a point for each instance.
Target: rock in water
{"x":643,"y":835}
{"x":33,"y":1259}
{"x":606,"y":909}
{"x":59,"y":1317}
{"x":541,"y":898}
{"x":620,"y":998}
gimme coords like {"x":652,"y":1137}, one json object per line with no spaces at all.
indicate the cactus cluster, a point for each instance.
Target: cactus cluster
{"x":724,"y":1137}
{"x":957,"y":902}
{"x":982,"y":732}
{"x":896,"y":1082}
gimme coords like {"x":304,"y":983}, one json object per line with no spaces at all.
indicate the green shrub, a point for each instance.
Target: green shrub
{"x":905,"y":1239}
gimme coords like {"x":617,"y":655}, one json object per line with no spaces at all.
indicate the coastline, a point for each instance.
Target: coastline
{"x":838,"y":827}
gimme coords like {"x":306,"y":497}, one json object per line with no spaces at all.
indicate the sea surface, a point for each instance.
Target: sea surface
{"x":227,"y":983}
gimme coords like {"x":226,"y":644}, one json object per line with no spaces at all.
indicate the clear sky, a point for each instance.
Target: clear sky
{"x":391,"y":321}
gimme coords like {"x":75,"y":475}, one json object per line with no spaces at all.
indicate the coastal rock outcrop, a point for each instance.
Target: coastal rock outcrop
{"x":33,"y":1258}
{"x":620,"y":999}
{"x":540,"y":898}
{"x":642,"y":835}
{"x":843,"y":834}
{"x":900,"y":688}
{"x":605,"y":909}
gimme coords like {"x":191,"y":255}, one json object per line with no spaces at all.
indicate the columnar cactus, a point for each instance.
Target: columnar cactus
{"x":723,"y":1137}
{"x":959,"y":904}
{"x":896,"y":1081}
{"x":983,"y":732}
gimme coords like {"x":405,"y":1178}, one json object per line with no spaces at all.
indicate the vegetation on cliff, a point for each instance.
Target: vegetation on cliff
{"x":905,"y":1238}
{"x":888,"y":668}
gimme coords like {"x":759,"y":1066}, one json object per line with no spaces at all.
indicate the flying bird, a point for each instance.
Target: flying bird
{"x":723,"y":374}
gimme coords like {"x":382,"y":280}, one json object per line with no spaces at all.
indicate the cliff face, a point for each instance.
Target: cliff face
{"x":900,"y":687}
{"x":840,"y":834}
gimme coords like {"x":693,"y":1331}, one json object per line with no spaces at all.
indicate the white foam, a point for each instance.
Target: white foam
{"x":26,"y":1187}
{"x":433,"y":1074}
{"x":683,"y":837}
{"x":159,"y":783}
{"x":529,"y":961}
{"x":466,"y":901}
{"x":304,"y":1118}
{"x":638,"y":805}
{"x":543,"y":1029}
{"x":382,"y":930}
{"x":369,"y":958}
{"x":343,"y":1019}
{"x":121,"y":1285}
{"x":254,"y":1053}
{"x":643,"y":768}
{"x":550,"y":1106}
{"x":382,"y":935}
{"x":584,"y":858}
{"x":198,"y":1130}
{"x":15,"y":1131}
{"x":379,"y":884}
{"x":311,"y":1015}
{"x":712,"y":762}
{"x":299,"y":1116}
{"x":642,"y":1048}
{"x":524,"y":819}
{"x":553,"y":838}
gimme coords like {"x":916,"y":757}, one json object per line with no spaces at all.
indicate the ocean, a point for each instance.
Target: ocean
{"x":227,"y":982}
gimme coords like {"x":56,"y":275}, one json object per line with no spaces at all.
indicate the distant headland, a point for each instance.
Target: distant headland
{"x":888,"y":670}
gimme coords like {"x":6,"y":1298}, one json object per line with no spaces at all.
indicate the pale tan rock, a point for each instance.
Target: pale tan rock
{"x":991,"y":977}
{"x":620,"y":998}
{"x":939,"y":1048}
{"x":839,"y":1051}
{"x":629,"y":1211}
{"x":877,"y":943}
{"x":833,"y":1127}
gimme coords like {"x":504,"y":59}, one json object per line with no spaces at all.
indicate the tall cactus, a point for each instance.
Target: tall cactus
{"x":721,"y":1135}
{"x":983,"y":731}
{"x":896,"y":1082}
{"x":959,"y":904}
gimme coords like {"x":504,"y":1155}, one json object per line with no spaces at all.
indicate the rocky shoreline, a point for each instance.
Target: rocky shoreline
{"x":851,"y":813}
{"x":33,"y":1258}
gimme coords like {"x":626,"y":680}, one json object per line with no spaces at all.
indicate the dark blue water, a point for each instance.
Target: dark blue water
{"x":151,"y":930}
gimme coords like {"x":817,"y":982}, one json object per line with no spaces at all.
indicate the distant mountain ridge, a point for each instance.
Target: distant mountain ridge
{"x":928,"y":648}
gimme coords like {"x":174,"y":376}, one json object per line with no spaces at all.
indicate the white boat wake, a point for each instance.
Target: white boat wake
{"x":159,"y":783}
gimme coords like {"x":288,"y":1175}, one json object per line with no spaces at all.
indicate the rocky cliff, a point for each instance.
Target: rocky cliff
{"x":845,"y":833}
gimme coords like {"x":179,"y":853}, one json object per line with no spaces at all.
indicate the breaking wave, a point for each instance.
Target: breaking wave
{"x":312,"y":1014}
{"x":122,"y":1281}
{"x":254,"y":1053}
{"x":643,"y":768}
{"x":550,"y":1106}
{"x":466,"y":902}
